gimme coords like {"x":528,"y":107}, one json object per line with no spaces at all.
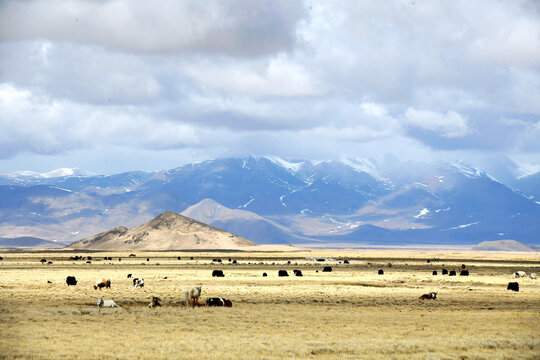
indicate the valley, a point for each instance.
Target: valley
{"x":351,"y":312}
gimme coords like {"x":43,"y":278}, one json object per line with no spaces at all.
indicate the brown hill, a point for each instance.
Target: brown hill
{"x":168,"y":231}
{"x":502,"y":245}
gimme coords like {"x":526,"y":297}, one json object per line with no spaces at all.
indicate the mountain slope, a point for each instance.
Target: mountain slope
{"x":243,"y":223}
{"x":168,"y":231}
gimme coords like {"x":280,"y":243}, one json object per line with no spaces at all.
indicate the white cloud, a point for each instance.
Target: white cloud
{"x":450,"y":125}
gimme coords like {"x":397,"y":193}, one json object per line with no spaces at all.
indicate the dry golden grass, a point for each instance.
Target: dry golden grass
{"x":349,"y":313}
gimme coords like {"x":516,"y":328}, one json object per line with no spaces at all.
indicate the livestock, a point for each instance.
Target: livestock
{"x":198,"y":303}
{"x":298,"y":272}
{"x":138,"y":282}
{"x":431,"y":296}
{"x":265,"y":274}
{"x":289,"y":262}
{"x":283,"y":273}
{"x":434,"y":272}
{"x":89,"y":257}
{"x":519,"y":274}
{"x":132,"y":255}
{"x":193,"y":293}
{"x":217,"y":273}
{"x":102,"y":283}
{"x":215,"y":301}
{"x":464,"y":273}
{"x":463,"y":266}
{"x":155,"y":302}
{"x":129,"y":276}
{"x":327,"y":269}
{"x":428,"y":261}
{"x":88,"y":262}
{"x":147,"y":259}
{"x":452,"y":273}
{"x":234,"y":261}
{"x":514,"y":286}
{"x":49,"y":263}
{"x":444,"y":272}
{"x":179,"y":258}
{"x":345,"y":261}
{"x":70,"y":280}
{"x":1,"y":258}
{"x":106,"y":303}
{"x":43,"y":261}
{"x":532,"y":276}
{"x":380,"y":272}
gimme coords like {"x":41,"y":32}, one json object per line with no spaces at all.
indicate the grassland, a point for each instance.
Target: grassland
{"x":349,"y":313}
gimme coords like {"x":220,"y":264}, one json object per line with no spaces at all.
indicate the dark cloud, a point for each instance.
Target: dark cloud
{"x":238,"y":27}
{"x":290,"y":78}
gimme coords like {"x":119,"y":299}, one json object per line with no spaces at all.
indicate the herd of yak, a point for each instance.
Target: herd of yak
{"x":192,"y":295}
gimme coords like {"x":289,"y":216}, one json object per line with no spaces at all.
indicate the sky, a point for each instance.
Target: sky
{"x":113,"y":85}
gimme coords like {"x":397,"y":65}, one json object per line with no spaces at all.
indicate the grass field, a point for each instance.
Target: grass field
{"x":349,"y":313}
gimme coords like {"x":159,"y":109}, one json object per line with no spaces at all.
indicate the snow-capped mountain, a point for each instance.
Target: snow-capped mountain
{"x":350,"y":200}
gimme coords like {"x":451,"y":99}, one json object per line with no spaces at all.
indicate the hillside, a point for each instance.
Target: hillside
{"x":168,"y":231}
{"x":502,"y":245}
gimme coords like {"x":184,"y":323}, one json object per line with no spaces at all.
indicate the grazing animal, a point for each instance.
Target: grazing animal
{"x":1,"y":258}
{"x":428,"y":261}
{"x":381,"y":272}
{"x":345,"y":261}
{"x":327,"y":269}
{"x":464,"y":273}
{"x":444,"y":272}
{"x":88,"y":262}
{"x":514,"y":286}
{"x":49,"y":282}
{"x":132,"y":255}
{"x":218,"y":273}
{"x":283,"y":273}
{"x":89,"y":257}
{"x":102,"y":283}
{"x":106,"y":303}
{"x":234,"y":261}
{"x":193,"y":293}
{"x":228,"y":303}
{"x":298,"y":272}
{"x":49,"y":263}
{"x":129,"y":276}
{"x":179,"y":258}
{"x":519,"y":274}
{"x":532,"y":276}
{"x":215,"y":301}
{"x":43,"y":261}
{"x":198,"y":303}
{"x":463,"y":266}
{"x":155,"y":302}
{"x":452,"y":273}
{"x":138,"y":282}
{"x":70,"y":280}
{"x":265,"y":274}
{"x":434,"y":272}
{"x":431,"y":296}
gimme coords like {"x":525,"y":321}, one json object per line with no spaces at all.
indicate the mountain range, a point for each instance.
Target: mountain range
{"x":273,"y":201}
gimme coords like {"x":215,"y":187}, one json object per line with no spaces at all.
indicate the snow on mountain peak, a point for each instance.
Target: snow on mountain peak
{"x":290,"y":166}
{"x":66,"y":172}
{"x":525,"y":169}
{"x":365,"y":165}
{"x":51,"y":174}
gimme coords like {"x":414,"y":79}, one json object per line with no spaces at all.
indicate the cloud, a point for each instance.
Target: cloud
{"x":35,"y":123}
{"x":238,"y":27}
{"x":449,"y":125}
{"x":242,"y":77}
